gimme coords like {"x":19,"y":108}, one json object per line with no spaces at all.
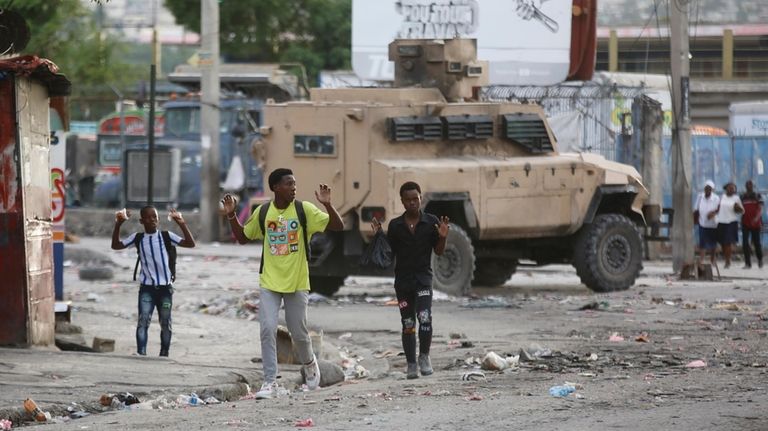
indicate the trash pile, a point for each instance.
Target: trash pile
{"x":245,"y":306}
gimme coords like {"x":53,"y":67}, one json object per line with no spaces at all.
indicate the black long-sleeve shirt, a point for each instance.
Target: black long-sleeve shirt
{"x":413,"y":251}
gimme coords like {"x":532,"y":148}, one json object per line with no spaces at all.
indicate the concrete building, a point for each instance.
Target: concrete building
{"x":728,"y":44}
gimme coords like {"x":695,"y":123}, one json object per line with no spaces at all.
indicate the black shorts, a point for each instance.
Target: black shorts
{"x":708,"y":238}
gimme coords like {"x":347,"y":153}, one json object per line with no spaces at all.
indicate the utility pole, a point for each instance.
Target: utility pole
{"x":682,"y":229}
{"x":209,"y":121}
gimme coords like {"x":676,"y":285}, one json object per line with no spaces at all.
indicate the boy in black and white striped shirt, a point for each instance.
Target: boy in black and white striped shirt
{"x":156,"y":278}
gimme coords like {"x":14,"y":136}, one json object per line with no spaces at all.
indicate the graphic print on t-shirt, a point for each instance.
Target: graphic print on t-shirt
{"x":283,"y":236}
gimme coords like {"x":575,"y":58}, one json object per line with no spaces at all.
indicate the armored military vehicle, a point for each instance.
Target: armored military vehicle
{"x":492,"y":167}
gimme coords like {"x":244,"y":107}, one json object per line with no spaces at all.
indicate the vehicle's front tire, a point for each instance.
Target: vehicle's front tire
{"x":493,"y":272}
{"x":608,"y":253}
{"x":453,"y":271}
{"x":325,"y":285}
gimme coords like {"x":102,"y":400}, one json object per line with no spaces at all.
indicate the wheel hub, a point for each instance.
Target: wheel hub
{"x":616,"y":254}
{"x":449,"y":264}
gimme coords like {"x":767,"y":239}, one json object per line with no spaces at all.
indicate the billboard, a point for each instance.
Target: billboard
{"x":526,"y":42}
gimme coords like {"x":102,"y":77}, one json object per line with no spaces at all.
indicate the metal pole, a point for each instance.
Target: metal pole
{"x":209,"y":120}
{"x":682,"y":231}
{"x":151,"y":135}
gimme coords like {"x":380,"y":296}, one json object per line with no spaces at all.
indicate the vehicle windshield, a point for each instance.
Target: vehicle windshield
{"x":185,"y":121}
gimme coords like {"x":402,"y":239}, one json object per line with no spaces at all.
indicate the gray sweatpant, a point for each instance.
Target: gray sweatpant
{"x":295,"y":318}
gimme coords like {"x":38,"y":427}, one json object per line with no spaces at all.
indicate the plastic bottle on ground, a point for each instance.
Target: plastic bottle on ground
{"x":561,"y":391}
{"x":31,"y":407}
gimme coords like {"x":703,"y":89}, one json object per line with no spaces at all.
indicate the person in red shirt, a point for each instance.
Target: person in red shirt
{"x":751,"y":224}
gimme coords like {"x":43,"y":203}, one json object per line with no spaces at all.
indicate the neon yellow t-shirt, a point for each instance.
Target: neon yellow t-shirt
{"x":286,"y":268}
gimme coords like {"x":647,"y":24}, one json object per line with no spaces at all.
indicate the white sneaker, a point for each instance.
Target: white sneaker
{"x":268,"y":390}
{"x":312,"y":374}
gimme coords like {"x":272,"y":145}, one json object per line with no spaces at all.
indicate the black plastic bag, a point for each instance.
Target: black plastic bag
{"x":378,"y":253}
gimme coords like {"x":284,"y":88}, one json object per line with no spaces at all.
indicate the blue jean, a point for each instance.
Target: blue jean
{"x":149,"y":298}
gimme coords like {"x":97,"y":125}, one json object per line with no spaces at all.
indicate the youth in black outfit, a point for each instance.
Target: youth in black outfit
{"x":413,"y":237}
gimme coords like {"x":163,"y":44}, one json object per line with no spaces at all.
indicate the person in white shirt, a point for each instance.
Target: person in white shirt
{"x":705,"y":212}
{"x":728,"y":216}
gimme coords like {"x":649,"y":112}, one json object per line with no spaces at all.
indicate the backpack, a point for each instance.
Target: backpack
{"x":264,"y":208}
{"x":169,"y":247}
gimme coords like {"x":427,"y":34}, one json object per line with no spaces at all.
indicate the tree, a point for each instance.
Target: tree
{"x":316,"y":33}
{"x":66,"y":32}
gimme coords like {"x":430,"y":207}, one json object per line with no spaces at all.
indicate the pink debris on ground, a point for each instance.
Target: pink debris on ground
{"x":305,"y":423}
{"x":696,"y":364}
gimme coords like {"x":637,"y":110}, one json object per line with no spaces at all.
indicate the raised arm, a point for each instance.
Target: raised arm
{"x":230,"y":205}
{"x":188,"y":240}
{"x":120,"y":218}
{"x":323,"y":196}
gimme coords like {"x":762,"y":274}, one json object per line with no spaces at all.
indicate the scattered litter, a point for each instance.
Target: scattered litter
{"x":592,"y":357}
{"x":488,"y":302}
{"x":315,"y":298}
{"x":31,"y":407}
{"x":345,"y":336}
{"x":615,"y":337}
{"x":524,"y":356}
{"x":212,"y":400}
{"x":729,"y":306}
{"x":473,"y":375}
{"x":304,"y":423}
{"x":189,"y":400}
{"x":642,"y":338}
{"x":385,"y":354}
{"x":696,"y":364}
{"x":5,"y":424}
{"x":474,"y":397}
{"x":92,"y":297}
{"x":595,"y":306}
{"x":562,"y":390}
{"x":493,"y":362}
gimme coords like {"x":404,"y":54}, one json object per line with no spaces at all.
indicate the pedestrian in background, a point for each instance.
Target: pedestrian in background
{"x":705,"y":214}
{"x":728,"y":215}
{"x":157,"y":260}
{"x":286,"y":225}
{"x":413,"y":236}
{"x":751,"y":224}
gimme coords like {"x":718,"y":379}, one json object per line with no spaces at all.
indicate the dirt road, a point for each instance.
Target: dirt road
{"x":643,"y":380}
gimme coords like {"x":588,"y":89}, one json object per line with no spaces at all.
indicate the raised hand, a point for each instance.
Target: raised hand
{"x":323,"y":195}
{"x":176,"y":216}
{"x":229,"y":203}
{"x":122,"y":215}
{"x":443,"y":227}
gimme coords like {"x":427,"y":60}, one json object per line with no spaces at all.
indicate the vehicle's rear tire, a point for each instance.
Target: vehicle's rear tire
{"x":493,"y":272}
{"x":608,"y":254}
{"x":325,"y":285}
{"x":453,"y":271}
